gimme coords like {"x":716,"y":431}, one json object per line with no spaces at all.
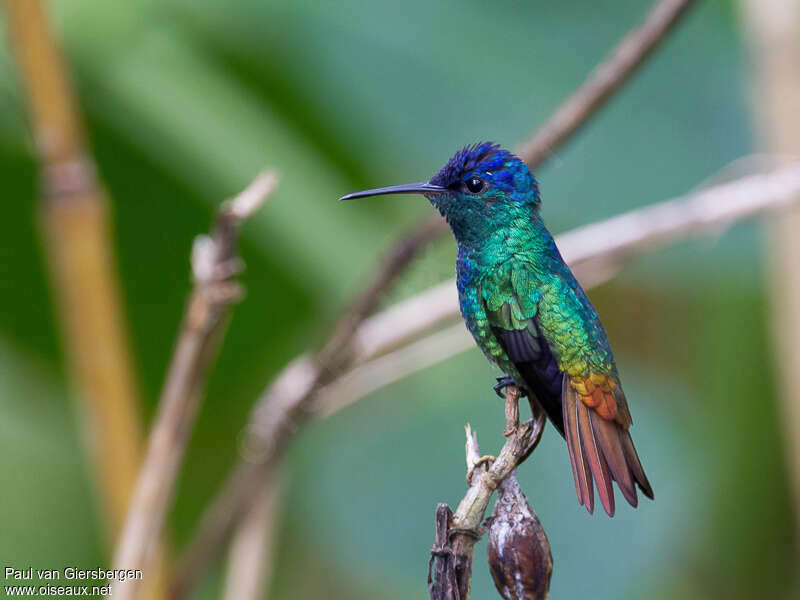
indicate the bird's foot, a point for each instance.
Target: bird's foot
{"x":505,"y":381}
{"x":483,"y":460}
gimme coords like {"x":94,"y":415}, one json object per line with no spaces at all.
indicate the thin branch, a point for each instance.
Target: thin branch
{"x":214,"y":264}
{"x":77,"y":236}
{"x":335,"y":352}
{"x":250,"y":559}
{"x":604,"y":80}
{"x":388,"y":368}
{"x":270,"y":426}
{"x":594,"y":248}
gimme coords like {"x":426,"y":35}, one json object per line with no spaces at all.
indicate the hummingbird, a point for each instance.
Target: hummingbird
{"x":530,"y":316}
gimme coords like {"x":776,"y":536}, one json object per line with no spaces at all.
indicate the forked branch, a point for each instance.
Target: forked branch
{"x":214,"y":264}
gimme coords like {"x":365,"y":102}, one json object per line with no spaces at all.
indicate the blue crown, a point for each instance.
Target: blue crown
{"x":483,"y":156}
{"x":505,"y":171}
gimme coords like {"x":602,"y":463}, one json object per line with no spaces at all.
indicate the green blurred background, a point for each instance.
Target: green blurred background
{"x":187,"y":99}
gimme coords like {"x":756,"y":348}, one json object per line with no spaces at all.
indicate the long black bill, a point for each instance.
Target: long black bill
{"x":409,"y":188}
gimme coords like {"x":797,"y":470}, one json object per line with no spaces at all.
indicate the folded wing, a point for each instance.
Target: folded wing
{"x":588,"y":407}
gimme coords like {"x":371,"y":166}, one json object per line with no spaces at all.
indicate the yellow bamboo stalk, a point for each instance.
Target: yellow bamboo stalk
{"x":76,"y":235}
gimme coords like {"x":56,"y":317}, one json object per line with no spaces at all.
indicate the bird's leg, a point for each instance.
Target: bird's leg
{"x":512,"y":396}
{"x":505,"y":381}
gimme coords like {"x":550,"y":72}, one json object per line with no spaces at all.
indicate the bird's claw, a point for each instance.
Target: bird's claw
{"x":481,"y":461}
{"x":505,"y":381}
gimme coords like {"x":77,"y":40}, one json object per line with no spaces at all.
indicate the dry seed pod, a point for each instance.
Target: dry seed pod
{"x":519,"y":553}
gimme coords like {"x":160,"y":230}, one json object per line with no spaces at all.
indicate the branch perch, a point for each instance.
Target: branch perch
{"x":214,"y":264}
{"x":464,"y":529}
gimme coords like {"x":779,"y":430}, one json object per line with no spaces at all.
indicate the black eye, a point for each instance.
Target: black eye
{"x":474,"y":185}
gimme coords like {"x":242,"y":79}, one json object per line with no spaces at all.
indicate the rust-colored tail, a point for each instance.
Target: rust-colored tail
{"x":601,"y":451}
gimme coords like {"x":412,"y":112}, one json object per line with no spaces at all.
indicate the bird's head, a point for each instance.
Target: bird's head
{"x":480,"y":188}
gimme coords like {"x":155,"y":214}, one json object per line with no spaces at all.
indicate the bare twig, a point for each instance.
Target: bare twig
{"x":250,"y":558}
{"x":270,"y":426}
{"x":604,"y":80}
{"x":336,"y":351}
{"x":214,"y":264}
{"x":465,"y":524}
{"x":597,"y":248}
{"x":81,"y":260}
{"x":388,"y":368}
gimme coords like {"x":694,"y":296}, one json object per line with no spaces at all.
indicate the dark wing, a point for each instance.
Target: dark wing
{"x":510,"y":299}
{"x":531,"y":355}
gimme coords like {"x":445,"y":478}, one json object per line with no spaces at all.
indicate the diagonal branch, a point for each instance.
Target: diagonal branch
{"x":593,"y":249}
{"x":214,"y":264}
{"x":251,"y":554}
{"x":604,"y":81}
